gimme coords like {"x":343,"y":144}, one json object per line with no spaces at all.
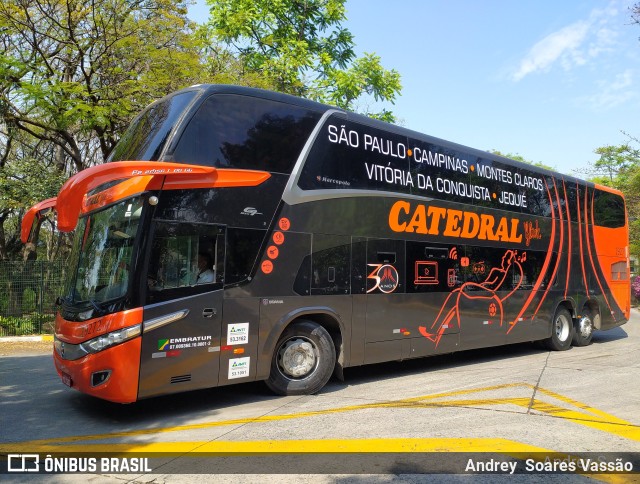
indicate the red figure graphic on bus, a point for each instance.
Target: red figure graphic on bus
{"x":451,"y":310}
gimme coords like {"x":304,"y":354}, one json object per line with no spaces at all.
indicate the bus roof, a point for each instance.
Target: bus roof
{"x":208,"y":89}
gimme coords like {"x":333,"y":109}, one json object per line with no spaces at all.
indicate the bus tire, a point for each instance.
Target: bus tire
{"x":562,"y":331}
{"x":583,"y":330}
{"x":303,"y":360}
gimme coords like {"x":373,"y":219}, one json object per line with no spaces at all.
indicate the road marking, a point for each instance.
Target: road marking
{"x":580,"y":413}
{"x":503,"y":446}
{"x":567,"y":409}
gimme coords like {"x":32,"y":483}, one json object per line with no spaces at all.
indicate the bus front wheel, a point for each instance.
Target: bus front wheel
{"x":562,"y":331}
{"x":303,"y":360}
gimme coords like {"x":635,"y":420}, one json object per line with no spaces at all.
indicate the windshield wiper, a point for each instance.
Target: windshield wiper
{"x":62,"y":301}
{"x":97,"y":308}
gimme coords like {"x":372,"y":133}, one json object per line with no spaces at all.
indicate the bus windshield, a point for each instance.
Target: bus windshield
{"x":148,"y":133}
{"x":102,"y":252}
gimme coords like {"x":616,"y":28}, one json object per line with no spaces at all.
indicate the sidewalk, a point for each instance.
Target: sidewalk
{"x":26,"y":345}
{"x":40,"y":337}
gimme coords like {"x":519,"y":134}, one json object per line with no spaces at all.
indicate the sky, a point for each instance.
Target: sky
{"x":548,"y":80}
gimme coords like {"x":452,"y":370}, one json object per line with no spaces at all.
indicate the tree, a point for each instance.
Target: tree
{"x":72,"y":72}
{"x":27,"y":177}
{"x":72,"y":76}
{"x":301,"y":48}
{"x":615,"y":166}
{"x":629,"y":183}
{"x":619,"y":167}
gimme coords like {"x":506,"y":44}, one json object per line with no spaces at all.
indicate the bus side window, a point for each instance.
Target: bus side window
{"x":330,"y":264}
{"x":243,"y":246}
{"x":236,"y":131}
{"x":608,"y":210}
{"x":185,"y":259}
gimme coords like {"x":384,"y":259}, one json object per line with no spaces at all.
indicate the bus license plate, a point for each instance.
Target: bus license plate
{"x":66,"y":379}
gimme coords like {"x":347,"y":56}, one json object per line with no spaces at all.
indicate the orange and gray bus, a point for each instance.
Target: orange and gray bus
{"x":237,"y":235}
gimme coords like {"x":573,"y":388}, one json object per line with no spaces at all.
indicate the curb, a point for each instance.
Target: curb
{"x":42,"y":337}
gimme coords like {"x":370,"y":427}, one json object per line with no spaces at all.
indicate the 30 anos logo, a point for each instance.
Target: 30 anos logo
{"x":385,"y":278}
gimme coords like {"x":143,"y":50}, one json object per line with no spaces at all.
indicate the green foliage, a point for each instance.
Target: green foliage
{"x":74,"y":73}
{"x":26,"y":325}
{"x":28,"y":291}
{"x":619,"y":167}
{"x":72,"y":76}
{"x":301,"y":48}
{"x":27,"y":180}
{"x":616,"y":166}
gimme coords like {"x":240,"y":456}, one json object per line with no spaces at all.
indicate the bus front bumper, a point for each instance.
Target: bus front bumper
{"x":111,"y":374}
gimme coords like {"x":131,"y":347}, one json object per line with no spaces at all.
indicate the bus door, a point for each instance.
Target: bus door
{"x":183,"y":315}
{"x":433,"y":286}
{"x":385,"y":300}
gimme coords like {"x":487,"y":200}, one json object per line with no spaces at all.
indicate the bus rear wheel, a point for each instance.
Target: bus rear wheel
{"x":562,"y":331}
{"x":303,"y":360}
{"x":584,"y":330}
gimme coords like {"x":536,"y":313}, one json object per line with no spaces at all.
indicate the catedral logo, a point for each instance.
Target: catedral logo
{"x":432,"y":220}
{"x":531,"y":232}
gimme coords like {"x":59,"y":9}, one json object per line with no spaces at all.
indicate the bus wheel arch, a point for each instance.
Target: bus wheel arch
{"x":303,"y":359}
{"x":586,"y":324}
{"x":332,"y":325}
{"x":562,"y":329}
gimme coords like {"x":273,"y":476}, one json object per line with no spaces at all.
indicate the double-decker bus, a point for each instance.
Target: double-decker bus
{"x":237,"y":235}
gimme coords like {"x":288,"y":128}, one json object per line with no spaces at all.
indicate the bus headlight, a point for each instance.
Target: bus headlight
{"x":68,"y":351}
{"x":104,"y":341}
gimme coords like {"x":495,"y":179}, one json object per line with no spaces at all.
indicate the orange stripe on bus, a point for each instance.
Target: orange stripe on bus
{"x":74,"y":190}
{"x":613,"y":242}
{"x":559,"y":257}
{"x":222,"y":177}
{"x":122,"y":190}
{"x":593,"y":266}
{"x":570,"y":253}
{"x":584,"y":273}
{"x":544,"y":266}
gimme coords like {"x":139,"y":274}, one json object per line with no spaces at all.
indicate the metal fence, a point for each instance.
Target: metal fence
{"x":28,"y":291}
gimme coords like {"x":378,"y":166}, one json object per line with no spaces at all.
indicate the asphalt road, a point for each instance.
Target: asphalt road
{"x":395,"y":420}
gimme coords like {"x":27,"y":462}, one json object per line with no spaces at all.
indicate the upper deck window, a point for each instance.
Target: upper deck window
{"x":608,"y":210}
{"x":234,"y":131}
{"x":148,"y":133}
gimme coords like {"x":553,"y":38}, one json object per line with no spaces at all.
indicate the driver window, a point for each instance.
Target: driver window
{"x":185,"y":259}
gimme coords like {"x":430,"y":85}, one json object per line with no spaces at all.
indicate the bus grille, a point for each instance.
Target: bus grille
{"x":180,"y":378}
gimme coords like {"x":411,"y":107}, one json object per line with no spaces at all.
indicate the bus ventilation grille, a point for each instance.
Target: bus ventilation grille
{"x":180,"y":378}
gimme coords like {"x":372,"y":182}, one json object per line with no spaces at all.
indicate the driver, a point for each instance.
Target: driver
{"x":205,"y":273}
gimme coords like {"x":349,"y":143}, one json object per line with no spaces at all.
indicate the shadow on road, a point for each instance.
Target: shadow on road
{"x":31,"y":389}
